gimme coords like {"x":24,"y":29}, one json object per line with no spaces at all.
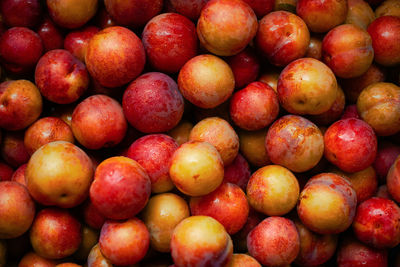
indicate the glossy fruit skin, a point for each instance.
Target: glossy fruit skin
{"x":393,"y":179}
{"x":282,"y":37}
{"x":21,"y":13}
{"x":350,"y":144}
{"x":377,"y":223}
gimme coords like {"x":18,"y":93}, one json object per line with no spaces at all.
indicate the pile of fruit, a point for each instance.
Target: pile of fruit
{"x":199,"y":133}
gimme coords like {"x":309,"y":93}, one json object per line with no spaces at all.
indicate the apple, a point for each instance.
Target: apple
{"x":379,"y":106}
{"x":347,"y":50}
{"x":133,"y":13}
{"x":322,"y":15}
{"x":274,"y":242}
{"x":327,"y":204}
{"x":206,"y":81}
{"x":377,"y":223}
{"x":76,"y":42}
{"x":254,"y":107}
{"x":161,"y":215}
{"x":17,"y":209}
{"x":282,"y":37}
{"x":71,"y":14}
{"x":245,"y":67}
{"x":200,"y":241}
{"x":385,"y":36}
{"x":124,"y":242}
{"x":13,"y":149}
{"x":20,"y":49}
{"x":46,"y":130}
{"x":295,"y":143}
{"x":52,"y":37}
{"x":63,"y":239}
{"x":273,"y":190}
{"x":91,"y":125}
{"x":121,"y":188}
{"x":350,"y":144}
{"x":169,"y":40}
{"x":21,"y":13}
{"x":154,"y":88}
{"x":220,"y":134}
{"x":307,"y":86}
{"x":196,"y":168}
{"x":33,"y":259}
{"x":115,"y":56}
{"x":65,"y":182}
{"x":226,"y":27}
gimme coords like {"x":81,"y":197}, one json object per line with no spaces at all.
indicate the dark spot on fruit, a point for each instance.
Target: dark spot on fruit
{"x":196,"y":176}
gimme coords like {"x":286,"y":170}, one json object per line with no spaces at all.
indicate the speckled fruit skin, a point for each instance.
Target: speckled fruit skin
{"x":64,"y":183}
{"x":353,"y":253}
{"x":121,"y":188}
{"x":97,"y":259}
{"x":46,"y":130}
{"x":273,"y":190}
{"x":353,"y":87}
{"x":200,"y":241}
{"x":393,"y":179}
{"x":347,"y":50}
{"x":17,"y":209}
{"x":359,"y":13}
{"x":71,"y":14}
{"x":327,"y":204}
{"x":20,"y":49}
{"x":377,"y":223}
{"x":153,"y":152}
{"x":274,"y":242}
{"x":33,"y":259}
{"x":219,"y":133}
{"x":243,"y":260}
{"x":196,"y":168}
{"x":61,"y":77}
{"x":76,"y":41}
{"x":322,"y":15}
{"x":379,"y":106}
{"x":307,"y":86}
{"x":62,"y":241}
{"x":245,"y":67}
{"x":315,"y":249}
{"x":91,"y":124}
{"x":294,"y":142}
{"x":13,"y":149}
{"x":124,"y":242}
{"x":170,"y":40}
{"x":385,"y":34}
{"x":226,"y":27}
{"x":364,"y":182}
{"x":115,"y":56}
{"x":282,"y":37}
{"x":133,"y":13}
{"x":227,"y":204}
{"x":206,"y":81}
{"x":16,"y":113}
{"x":152,"y":103}
{"x":254,"y":107}
{"x":238,"y":172}
{"x":350,"y":144}
{"x":161,"y":215}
